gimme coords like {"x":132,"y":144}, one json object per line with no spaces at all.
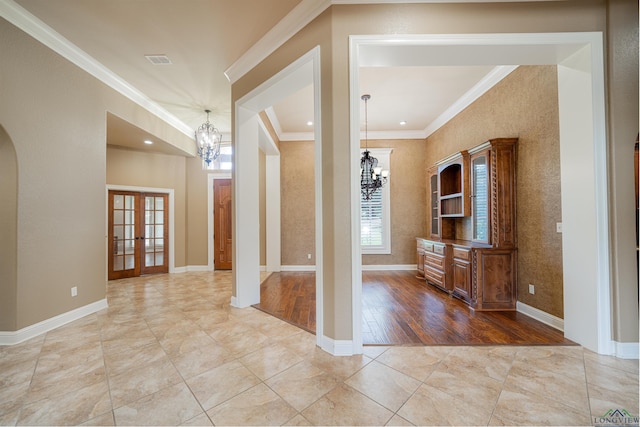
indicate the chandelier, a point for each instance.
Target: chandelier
{"x":372,"y":176}
{"x":208,"y":140}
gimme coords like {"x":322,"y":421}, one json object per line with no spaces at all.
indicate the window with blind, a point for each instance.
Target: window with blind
{"x":375,"y":217}
{"x":223,"y":162}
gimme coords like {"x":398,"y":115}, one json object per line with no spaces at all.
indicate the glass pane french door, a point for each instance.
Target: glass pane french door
{"x":138,"y":233}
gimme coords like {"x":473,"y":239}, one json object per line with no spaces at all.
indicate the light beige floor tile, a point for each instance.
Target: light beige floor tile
{"x":101,"y":420}
{"x":245,"y":343}
{"x":430,"y":406}
{"x":12,"y":398}
{"x":303,"y":343}
{"x":170,"y":406}
{"x":611,"y":378}
{"x":341,"y":367}
{"x":374,"y":351}
{"x":298,"y":420}
{"x":383,"y":384}
{"x":133,"y":340}
{"x":417,"y":362}
{"x":17,"y":372}
{"x":257,"y":406}
{"x":479,"y":363}
{"x":346,"y":406}
{"x":466,"y":387}
{"x":20,"y":352}
{"x":183,"y":339}
{"x":398,"y":421}
{"x":136,"y":383}
{"x":302,"y":384}
{"x":199,"y":420}
{"x":269,"y":361}
{"x":68,"y":408}
{"x":222,"y":383}
{"x":118,"y":363}
{"x":566,"y":361}
{"x":59,"y":373}
{"x":602,"y":400}
{"x":520,"y":407}
{"x":550,"y":385}
{"x":202,"y":359}
{"x":627,"y":365}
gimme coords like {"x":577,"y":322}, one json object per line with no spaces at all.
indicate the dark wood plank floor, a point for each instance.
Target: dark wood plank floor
{"x":399,"y":308}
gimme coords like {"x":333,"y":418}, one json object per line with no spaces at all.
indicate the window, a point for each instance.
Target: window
{"x":375,"y":214}
{"x":223,"y":162}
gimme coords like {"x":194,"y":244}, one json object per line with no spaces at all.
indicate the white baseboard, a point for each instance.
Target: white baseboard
{"x":178,"y":270}
{"x":16,"y":337}
{"x":338,"y":347}
{"x":297,"y":268}
{"x":382,"y":267}
{"x":198,"y":268}
{"x":390,"y":267}
{"x":627,"y":350}
{"x":541,"y":316}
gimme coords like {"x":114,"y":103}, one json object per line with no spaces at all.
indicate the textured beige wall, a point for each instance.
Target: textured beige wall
{"x":8,"y":232}
{"x":297,"y":202}
{"x":197,"y":211}
{"x":523,"y":105}
{"x":407,"y":182}
{"x":149,"y":170}
{"x":55,"y":115}
{"x":262,"y":194}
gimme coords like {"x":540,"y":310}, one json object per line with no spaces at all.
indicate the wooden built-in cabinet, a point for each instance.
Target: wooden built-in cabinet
{"x":472,"y":201}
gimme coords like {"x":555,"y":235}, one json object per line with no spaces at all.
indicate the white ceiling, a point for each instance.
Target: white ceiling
{"x":205,"y":38}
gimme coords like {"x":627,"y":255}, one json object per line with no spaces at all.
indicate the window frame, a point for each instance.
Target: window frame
{"x":384,"y":160}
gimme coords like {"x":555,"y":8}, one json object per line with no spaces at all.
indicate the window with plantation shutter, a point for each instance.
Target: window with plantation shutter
{"x":375,"y":217}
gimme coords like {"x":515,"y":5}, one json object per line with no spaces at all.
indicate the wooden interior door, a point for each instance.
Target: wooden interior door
{"x":222,"y":252}
{"x":138,"y":234}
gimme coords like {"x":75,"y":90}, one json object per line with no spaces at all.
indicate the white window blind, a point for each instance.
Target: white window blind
{"x":375,"y":216}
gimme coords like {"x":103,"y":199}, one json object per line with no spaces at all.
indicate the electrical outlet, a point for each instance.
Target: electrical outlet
{"x":558,"y":227}
{"x":532,"y":289}
{"x":308,"y":256}
{"x":74,"y":291}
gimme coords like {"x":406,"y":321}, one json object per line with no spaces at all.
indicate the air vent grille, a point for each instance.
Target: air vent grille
{"x":158,"y":59}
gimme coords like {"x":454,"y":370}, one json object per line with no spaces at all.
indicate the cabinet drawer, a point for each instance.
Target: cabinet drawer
{"x":460,"y":253}
{"x":434,"y":261}
{"x":427,"y":246}
{"x":434,"y":276}
{"x":438,"y":249}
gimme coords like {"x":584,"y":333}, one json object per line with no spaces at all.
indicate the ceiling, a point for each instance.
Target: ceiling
{"x":205,"y":38}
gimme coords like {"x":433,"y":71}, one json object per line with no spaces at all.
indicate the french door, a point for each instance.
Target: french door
{"x":138,"y":233}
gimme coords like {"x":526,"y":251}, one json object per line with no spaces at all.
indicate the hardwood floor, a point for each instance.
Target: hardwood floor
{"x":399,"y":308}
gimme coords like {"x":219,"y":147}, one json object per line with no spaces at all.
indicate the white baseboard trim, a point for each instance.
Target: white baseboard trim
{"x":627,"y":350}
{"x":198,"y":268}
{"x":390,"y":267}
{"x":263,"y":268}
{"x":178,"y":270}
{"x":297,"y":268}
{"x":382,"y":267}
{"x":541,"y":316}
{"x":16,"y":337}
{"x":337,"y":347}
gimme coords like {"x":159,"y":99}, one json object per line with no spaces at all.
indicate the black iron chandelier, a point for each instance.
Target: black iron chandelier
{"x":372,"y":176}
{"x":208,"y":139}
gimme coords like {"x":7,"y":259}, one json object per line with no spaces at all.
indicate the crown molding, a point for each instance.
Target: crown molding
{"x":479,"y":89}
{"x":305,"y":12}
{"x":25,"y":21}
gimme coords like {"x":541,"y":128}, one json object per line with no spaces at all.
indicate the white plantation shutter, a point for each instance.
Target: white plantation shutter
{"x":375,"y":216}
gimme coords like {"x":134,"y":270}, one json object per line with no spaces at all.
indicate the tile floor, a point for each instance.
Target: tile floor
{"x":170,"y":350}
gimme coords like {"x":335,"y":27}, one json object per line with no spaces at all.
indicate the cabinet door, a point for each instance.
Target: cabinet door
{"x":433,"y":203}
{"x":480,"y":206}
{"x":461,"y":272}
{"x":420,"y":262}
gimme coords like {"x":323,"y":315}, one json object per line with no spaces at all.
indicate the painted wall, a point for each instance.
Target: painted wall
{"x":55,"y":115}
{"x":523,"y":105}
{"x":345,"y":20}
{"x":152,"y":170}
{"x":8,"y":232}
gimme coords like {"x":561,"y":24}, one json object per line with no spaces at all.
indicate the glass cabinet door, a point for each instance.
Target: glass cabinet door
{"x":435,"y":221}
{"x":480,"y":196}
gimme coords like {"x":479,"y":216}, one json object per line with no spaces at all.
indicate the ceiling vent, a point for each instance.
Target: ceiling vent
{"x":158,"y":59}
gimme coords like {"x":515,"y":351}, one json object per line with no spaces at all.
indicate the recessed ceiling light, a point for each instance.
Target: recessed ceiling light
{"x":309,"y":123}
{"x":148,"y":142}
{"x":402,"y":123}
